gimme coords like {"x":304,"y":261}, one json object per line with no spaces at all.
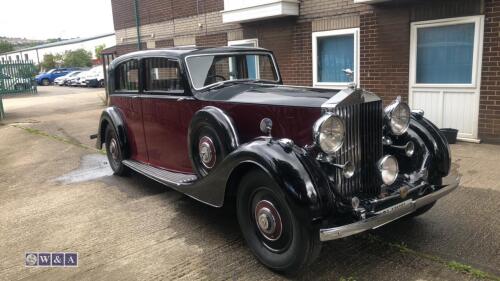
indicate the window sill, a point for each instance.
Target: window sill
{"x":269,"y":9}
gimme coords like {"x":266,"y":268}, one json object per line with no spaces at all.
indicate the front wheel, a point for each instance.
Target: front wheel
{"x":45,"y":82}
{"x":275,"y":235}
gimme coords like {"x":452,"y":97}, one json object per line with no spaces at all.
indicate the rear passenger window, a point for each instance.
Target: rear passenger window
{"x":127,"y":76}
{"x":163,"y":75}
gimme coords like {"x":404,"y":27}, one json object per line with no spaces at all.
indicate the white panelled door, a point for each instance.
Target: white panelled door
{"x":445,"y":72}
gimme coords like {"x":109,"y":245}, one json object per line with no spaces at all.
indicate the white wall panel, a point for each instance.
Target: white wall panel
{"x":430,"y":102}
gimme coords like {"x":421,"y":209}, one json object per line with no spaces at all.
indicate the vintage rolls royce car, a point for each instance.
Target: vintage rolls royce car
{"x":297,"y":165}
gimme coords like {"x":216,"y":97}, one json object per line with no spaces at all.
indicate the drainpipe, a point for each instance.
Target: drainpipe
{"x":137,"y":23}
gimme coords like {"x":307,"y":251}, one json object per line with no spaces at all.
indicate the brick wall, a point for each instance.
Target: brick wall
{"x":164,"y":43}
{"x":127,"y":48}
{"x":212,"y":40}
{"x":300,"y":71}
{"x":123,"y":13}
{"x":384,"y":52}
{"x":489,"y":105}
{"x":153,"y":11}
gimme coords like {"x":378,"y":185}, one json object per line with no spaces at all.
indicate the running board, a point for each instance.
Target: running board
{"x":159,"y":175}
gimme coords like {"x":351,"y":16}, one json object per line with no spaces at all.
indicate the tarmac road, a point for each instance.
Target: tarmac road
{"x":57,"y":194}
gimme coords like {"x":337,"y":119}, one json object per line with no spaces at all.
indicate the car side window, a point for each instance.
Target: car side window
{"x":127,"y":76}
{"x":163,"y":75}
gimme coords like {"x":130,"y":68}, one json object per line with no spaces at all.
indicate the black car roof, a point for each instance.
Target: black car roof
{"x":181,"y":52}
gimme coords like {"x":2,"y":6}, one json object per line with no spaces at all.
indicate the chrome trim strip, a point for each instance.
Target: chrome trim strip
{"x":388,"y":215}
{"x":233,"y":129}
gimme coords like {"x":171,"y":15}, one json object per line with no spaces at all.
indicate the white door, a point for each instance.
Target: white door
{"x":445,"y":72}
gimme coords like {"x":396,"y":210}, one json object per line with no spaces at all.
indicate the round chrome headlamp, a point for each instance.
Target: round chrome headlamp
{"x":398,"y":117}
{"x":389,"y":169}
{"x":328,"y":133}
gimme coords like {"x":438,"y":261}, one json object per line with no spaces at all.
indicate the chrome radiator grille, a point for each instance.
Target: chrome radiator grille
{"x":362,"y":147}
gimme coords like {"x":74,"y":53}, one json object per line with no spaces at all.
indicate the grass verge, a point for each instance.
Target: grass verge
{"x":58,"y":138}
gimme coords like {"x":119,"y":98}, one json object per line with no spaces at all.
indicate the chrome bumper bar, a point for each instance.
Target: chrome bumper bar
{"x":390,"y":214}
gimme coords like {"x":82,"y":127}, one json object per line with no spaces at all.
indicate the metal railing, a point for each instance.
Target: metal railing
{"x":16,"y":77}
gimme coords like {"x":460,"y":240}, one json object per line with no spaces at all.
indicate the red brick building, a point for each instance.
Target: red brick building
{"x":442,"y":56}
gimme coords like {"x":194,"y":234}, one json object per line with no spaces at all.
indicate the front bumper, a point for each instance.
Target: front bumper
{"x":91,"y":82}
{"x":390,"y":214}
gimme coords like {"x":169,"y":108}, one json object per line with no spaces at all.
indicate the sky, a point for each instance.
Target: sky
{"x":43,"y":19}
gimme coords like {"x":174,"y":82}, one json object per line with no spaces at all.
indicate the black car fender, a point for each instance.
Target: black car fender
{"x":112,"y":117}
{"x":222,"y":133}
{"x":427,"y":139}
{"x":307,"y":194}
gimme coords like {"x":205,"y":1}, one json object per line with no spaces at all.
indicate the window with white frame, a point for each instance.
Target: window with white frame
{"x":252,"y":61}
{"x":333,"y":52}
{"x":445,"y":52}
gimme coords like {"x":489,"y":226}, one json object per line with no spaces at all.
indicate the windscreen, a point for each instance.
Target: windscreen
{"x":206,"y":70}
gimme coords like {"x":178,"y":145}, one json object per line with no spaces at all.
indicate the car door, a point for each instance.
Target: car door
{"x":126,"y":97}
{"x":58,"y":73}
{"x":167,"y":112}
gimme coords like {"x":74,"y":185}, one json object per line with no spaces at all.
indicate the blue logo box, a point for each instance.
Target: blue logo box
{"x":47,"y":259}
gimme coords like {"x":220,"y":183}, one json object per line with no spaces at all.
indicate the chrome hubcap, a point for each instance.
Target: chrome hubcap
{"x":268,"y":220}
{"x":113,"y":149}
{"x":207,"y":152}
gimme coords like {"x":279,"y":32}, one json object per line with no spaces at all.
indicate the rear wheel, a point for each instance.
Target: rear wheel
{"x":274,"y":234}
{"x":45,"y":82}
{"x":101,"y":83}
{"x":208,"y":147}
{"x":115,"y":153}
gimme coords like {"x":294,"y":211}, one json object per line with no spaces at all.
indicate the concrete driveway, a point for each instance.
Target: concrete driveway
{"x":57,"y":194}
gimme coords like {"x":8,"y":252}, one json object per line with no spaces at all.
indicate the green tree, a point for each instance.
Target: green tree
{"x":77,"y":58}
{"x":98,"y":50}
{"x":5,"y":46}
{"x":50,"y":61}
{"x":52,"y":40}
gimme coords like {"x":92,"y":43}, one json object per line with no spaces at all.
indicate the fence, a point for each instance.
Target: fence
{"x":15,"y":78}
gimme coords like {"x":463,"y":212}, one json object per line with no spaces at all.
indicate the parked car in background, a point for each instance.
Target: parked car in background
{"x":298,"y":165}
{"x":48,"y":77}
{"x":75,"y":81}
{"x":10,"y":83}
{"x":61,"y":81}
{"x":95,"y":77}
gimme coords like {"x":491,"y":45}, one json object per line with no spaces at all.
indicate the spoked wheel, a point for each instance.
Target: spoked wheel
{"x":45,"y":82}
{"x":276,"y":237}
{"x":114,"y":153}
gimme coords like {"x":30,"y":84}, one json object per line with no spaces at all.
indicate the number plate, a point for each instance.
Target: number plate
{"x":396,"y":207}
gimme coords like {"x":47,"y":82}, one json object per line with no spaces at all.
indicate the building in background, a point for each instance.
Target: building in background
{"x":442,"y":56}
{"x":36,"y":53}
